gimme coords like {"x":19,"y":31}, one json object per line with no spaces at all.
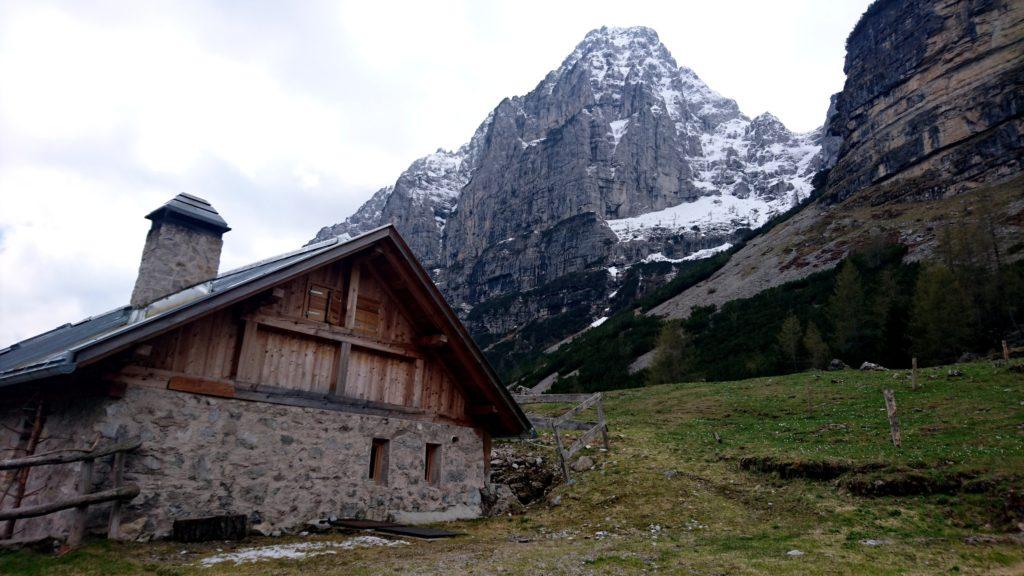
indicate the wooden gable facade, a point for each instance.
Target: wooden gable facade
{"x":357,"y":328}
{"x":337,"y":331}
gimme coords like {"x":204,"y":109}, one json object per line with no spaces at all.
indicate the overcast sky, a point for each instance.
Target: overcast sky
{"x":287,"y":115}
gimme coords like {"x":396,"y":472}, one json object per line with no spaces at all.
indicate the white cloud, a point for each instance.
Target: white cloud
{"x":287,"y":116}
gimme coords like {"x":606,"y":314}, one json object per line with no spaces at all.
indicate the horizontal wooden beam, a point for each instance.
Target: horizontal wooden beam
{"x":578,"y":408}
{"x":587,"y":437}
{"x":551,"y":398}
{"x":201,"y":386}
{"x":336,"y":334}
{"x":433,"y":340}
{"x":126,"y":492}
{"x":68,"y":456}
{"x":545,"y":422}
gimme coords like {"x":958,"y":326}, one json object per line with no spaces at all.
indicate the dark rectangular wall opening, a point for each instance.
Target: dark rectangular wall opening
{"x":379,"y":461}
{"x":432,"y":464}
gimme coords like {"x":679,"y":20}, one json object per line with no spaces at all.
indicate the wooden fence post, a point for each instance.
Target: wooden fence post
{"x":913,"y":373}
{"x":77,"y":531}
{"x":603,"y":424}
{"x":1006,"y":352}
{"x":114,"y":525}
{"x":894,"y":422}
{"x":561,"y":453}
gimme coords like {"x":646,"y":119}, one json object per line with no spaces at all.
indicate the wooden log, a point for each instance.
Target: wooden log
{"x":114,"y":524}
{"x":77,"y":531}
{"x":894,"y":422}
{"x":561,"y":452}
{"x":68,"y":456}
{"x":21,"y":477}
{"x":588,"y":437}
{"x":126,"y":492}
{"x":551,"y":398}
{"x":579,"y":408}
{"x":546,"y":422}
{"x":603,"y":423}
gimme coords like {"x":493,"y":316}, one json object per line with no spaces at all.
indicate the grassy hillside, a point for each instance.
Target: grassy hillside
{"x":669,"y":498}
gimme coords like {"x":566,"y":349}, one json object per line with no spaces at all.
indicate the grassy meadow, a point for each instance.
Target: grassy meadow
{"x":804,"y":480}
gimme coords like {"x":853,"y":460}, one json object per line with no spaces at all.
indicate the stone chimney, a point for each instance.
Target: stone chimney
{"x":182,"y":248}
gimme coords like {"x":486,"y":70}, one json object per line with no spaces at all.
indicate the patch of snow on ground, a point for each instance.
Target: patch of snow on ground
{"x":708,"y":252}
{"x":599,"y":321}
{"x":614,"y":271}
{"x":297,"y":551}
{"x":706,"y":211}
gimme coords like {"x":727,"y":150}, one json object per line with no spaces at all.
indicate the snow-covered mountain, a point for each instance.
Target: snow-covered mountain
{"x":617,"y":156}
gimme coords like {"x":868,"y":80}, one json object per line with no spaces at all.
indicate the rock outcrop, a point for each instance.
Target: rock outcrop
{"x":929,"y":132}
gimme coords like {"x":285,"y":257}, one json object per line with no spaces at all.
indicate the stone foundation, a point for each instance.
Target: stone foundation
{"x":281,"y":466}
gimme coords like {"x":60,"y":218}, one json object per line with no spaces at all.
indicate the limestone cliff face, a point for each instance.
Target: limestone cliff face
{"x":617,"y":156}
{"x":933,"y":101}
{"x":929,"y":126}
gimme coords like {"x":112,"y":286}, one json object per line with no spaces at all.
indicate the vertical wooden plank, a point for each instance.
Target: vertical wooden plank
{"x":77,"y":531}
{"x":894,"y":422}
{"x":603,"y":424}
{"x":352,"y":299}
{"x":561,"y":451}
{"x":249,"y":362}
{"x":415,"y":397}
{"x":341,"y":368}
{"x":114,"y":525}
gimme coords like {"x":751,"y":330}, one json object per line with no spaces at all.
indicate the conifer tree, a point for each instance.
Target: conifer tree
{"x":847,"y":312}
{"x":817,"y":349}
{"x":789,"y":341}
{"x":670,"y":356}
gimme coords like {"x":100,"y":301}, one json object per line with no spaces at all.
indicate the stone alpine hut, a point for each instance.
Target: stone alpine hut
{"x":333,"y":380}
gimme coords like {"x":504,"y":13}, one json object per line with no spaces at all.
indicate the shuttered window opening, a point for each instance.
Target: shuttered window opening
{"x":368,"y":316}
{"x":316,"y":302}
{"x":432,"y":464}
{"x":325,"y":305}
{"x":379,"y":461}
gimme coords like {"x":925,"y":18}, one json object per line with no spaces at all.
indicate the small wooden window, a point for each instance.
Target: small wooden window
{"x":379,"y":461}
{"x":432,"y":464}
{"x":316,"y":302}
{"x":368,"y":312}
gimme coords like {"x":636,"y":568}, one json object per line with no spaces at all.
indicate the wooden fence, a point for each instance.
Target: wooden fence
{"x":565,"y":421}
{"x":85,"y":498}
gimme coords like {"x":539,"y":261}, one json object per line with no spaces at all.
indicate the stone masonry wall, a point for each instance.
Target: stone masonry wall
{"x":173,"y":258}
{"x":282,"y":466}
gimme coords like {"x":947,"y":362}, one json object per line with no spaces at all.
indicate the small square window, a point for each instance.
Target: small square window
{"x":432,"y":464}
{"x":379,"y":461}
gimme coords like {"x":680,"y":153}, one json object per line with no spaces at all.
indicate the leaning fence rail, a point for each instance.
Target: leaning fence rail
{"x":85,"y":497}
{"x":566,"y":422}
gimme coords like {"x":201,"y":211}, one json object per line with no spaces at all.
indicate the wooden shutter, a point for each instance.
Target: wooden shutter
{"x":368,"y":313}
{"x":316,"y":302}
{"x":336,"y":308}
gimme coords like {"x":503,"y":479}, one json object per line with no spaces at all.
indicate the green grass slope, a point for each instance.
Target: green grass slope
{"x":804,"y":463}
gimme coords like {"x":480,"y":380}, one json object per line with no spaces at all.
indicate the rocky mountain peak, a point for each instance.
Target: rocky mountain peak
{"x":618,"y":156}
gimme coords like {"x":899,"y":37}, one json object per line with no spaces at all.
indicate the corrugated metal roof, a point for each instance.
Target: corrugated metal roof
{"x":52,"y":348}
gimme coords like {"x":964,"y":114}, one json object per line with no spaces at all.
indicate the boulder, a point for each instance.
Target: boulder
{"x":583,"y":463}
{"x":837,"y":364}
{"x":499,"y":500}
{"x":872,"y":367}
